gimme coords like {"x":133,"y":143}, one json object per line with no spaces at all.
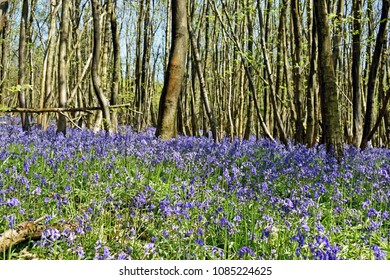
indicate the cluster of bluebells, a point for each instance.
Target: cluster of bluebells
{"x":192,"y":197}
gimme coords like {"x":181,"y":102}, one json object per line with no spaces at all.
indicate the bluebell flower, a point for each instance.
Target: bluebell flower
{"x":123,"y":256}
{"x":300,"y":238}
{"x":372,"y":212}
{"x":37,"y":191}
{"x":80,"y":252}
{"x":13,"y":202}
{"x":199,"y":241}
{"x":106,"y":253}
{"x":165,"y":234}
{"x":11,"y":220}
{"x":244,"y":251}
{"x":378,"y":253}
{"x":224,"y":222}
{"x":149,"y":248}
{"x":217,"y":250}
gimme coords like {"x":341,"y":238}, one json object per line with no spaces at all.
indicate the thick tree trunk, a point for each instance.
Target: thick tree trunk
{"x":166,"y":127}
{"x":331,"y":126}
{"x":62,"y":65}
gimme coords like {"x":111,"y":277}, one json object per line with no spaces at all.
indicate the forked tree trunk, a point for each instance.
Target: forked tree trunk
{"x":166,"y":126}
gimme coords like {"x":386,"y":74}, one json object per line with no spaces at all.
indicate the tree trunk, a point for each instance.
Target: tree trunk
{"x":3,"y":31}
{"x":297,"y":60}
{"x":381,"y":37}
{"x":356,"y":56}
{"x":62,"y":65}
{"x":22,"y":65}
{"x":97,"y":84}
{"x":331,"y":126}
{"x":47,"y":73}
{"x":117,"y":65}
{"x":337,"y":37}
{"x":166,"y":127}
{"x":203,"y":86}
{"x":310,"y":92}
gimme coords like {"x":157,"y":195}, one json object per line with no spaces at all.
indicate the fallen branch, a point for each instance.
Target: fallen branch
{"x":27,"y":231}
{"x":23,"y":232}
{"x":61,"y":110}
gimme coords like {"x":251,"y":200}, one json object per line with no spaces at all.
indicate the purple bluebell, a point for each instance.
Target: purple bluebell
{"x":245,"y":251}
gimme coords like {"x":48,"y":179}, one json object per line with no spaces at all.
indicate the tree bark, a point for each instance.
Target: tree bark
{"x":62,"y":65}
{"x":117,"y":65}
{"x":310,"y":91}
{"x":356,"y":81}
{"x":97,"y":84}
{"x":3,"y":31}
{"x":47,"y":72}
{"x":381,"y":37}
{"x":331,"y":126}
{"x":22,"y":65}
{"x":166,"y":127}
{"x":203,"y":86}
{"x":297,"y":60}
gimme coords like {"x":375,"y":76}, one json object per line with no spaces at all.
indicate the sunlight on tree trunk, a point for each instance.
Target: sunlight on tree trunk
{"x":166,"y":127}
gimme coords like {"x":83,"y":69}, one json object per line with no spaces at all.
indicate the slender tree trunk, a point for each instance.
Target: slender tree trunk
{"x":250,"y":47}
{"x":22,"y":65}
{"x":297,"y":60}
{"x":138,"y":63}
{"x":331,"y":126}
{"x":166,"y":127}
{"x":356,"y":81}
{"x":337,"y":34}
{"x":47,"y":73}
{"x":311,"y":117}
{"x":3,"y":31}
{"x":369,"y":116}
{"x":268,"y":71}
{"x":203,"y":86}
{"x":117,"y":65}
{"x":97,"y":84}
{"x":62,"y":65}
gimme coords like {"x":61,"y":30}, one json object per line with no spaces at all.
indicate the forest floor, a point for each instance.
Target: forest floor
{"x":133,"y":196}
